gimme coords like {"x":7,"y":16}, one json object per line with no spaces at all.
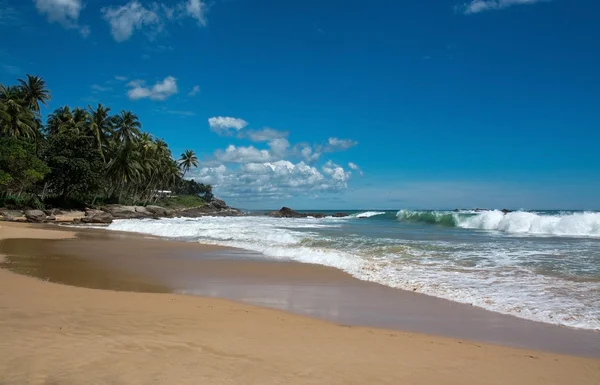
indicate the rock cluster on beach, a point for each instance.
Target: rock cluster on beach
{"x":106,"y":214}
{"x":286,"y":212}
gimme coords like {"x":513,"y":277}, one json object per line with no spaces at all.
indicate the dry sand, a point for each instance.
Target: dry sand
{"x":57,"y":334}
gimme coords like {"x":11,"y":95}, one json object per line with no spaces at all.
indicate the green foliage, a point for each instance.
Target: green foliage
{"x":182,"y":201}
{"x":84,"y":156}
{"x":191,"y":187}
{"x":77,"y":168}
{"x":30,"y":201}
{"x":20,"y":168}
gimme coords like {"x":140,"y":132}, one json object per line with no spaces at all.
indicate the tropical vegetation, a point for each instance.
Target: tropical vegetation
{"x":83,"y":156}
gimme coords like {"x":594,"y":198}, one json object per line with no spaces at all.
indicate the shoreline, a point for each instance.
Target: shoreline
{"x":65,"y":334}
{"x":136,"y":262}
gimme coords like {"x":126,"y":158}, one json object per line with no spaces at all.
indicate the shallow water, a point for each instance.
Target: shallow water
{"x":542,"y":266}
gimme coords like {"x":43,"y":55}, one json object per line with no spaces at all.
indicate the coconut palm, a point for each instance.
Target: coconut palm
{"x":188,"y":160}
{"x":34,"y":92}
{"x":15,"y":118}
{"x":64,"y":119}
{"x":100,"y":126}
{"x":127,"y":127}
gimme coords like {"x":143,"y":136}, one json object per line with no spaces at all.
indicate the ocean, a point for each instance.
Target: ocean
{"x":539,"y":265}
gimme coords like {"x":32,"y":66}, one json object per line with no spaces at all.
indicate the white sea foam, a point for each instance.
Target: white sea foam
{"x":368,"y":214}
{"x":570,"y":224}
{"x":492,"y":276}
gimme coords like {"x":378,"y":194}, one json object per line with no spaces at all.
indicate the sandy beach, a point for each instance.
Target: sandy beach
{"x":61,"y":334}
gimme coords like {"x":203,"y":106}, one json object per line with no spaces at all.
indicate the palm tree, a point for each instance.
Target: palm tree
{"x":188,"y":160}
{"x":34,"y":92}
{"x":100,"y":126}
{"x":15,"y":118}
{"x":125,"y":168}
{"x":127,"y":127}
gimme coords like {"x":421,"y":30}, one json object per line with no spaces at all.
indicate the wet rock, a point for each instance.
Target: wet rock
{"x":126,"y":212}
{"x":157,"y":211}
{"x":35,"y":215}
{"x":97,"y":216}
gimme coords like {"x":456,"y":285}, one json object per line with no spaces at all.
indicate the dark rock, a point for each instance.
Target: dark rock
{"x":506,"y":211}
{"x":157,"y":211}
{"x":340,"y":215}
{"x":219,"y":204}
{"x":54,"y":212}
{"x":286,"y":212}
{"x":208,"y":210}
{"x":11,"y":215}
{"x":97,"y":216}
{"x":127,"y":212}
{"x":35,"y":215}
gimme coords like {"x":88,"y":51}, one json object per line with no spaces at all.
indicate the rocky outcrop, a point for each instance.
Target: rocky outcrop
{"x":126,"y":212}
{"x":108,"y":213}
{"x":97,"y":217}
{"x":286,"y":212}
{"x":208,"y":210}
{"x":35,"y":215}
{"x":159,"y":212}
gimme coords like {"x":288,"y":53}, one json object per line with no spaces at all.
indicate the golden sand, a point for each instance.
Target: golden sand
{"x":58,"y":334}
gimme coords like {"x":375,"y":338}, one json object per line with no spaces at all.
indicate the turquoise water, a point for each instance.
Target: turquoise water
{"x":543,"y":266}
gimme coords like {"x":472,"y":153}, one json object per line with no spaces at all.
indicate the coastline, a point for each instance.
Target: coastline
{"x":127,"y":261}
{"x":65,"y":334}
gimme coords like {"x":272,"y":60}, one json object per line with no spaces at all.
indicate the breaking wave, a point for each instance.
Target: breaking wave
{"x":578,"y":224}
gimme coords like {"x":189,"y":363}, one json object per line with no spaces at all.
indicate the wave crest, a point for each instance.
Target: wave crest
{"x":586,"y":224}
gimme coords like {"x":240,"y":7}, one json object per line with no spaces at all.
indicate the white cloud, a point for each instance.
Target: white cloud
{"x":159,"y":91}
{"x":195,"y":90}
{"x":477,"y":6}
{"x":121,"y":78}
{"x":336,"y":172}
{"x":64,"y":12}
{"x":265,"y":135}
{"x":197,"y":9}
{"x":223,"y":125}
{"x":242,"y":154}
{"x":336,"y":144}
{"x":309,"y":155}
{"x":354,"y":166}
{"x":124,"y":20}
{"x":279,"y":147}
{"x":271,"y":180}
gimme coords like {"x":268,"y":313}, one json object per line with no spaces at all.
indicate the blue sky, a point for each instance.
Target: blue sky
{"x":340,"y":104}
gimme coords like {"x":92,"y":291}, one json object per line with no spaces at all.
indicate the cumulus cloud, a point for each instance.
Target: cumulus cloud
{"x":243,"y":154}
{"x":159,"y":91}
{"x":64,"y":12}
{"x":195,"y":90}
{"x":336,"y":172}
{"x":124,"y":20}
{"x":276,"y":179}
{"x":335,"y":144}
{"x":224,"y":125}
{"x":477,"y":6}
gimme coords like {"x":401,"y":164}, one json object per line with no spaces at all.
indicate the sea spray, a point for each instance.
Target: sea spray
{"x":576,"y":224}
{"x":554,"y":279}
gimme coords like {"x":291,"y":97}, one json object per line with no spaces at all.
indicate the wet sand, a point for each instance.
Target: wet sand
{"x":58,"y":334}
{"x":130,"y":262}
